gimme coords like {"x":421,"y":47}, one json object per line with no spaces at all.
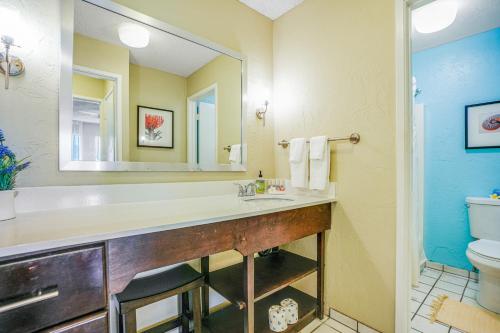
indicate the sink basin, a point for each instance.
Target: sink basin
{"x":267,"y":199}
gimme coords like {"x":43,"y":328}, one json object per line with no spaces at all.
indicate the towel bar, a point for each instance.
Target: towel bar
{"x":354,"y":138}
{"x":228,"y":148}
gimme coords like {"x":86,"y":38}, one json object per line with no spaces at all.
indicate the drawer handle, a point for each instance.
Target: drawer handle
{"x":41,"y":296}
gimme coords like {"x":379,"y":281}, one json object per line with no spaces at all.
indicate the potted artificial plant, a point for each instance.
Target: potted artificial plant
{"x":10,"y":167}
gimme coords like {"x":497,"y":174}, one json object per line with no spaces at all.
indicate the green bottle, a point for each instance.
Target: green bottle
{"x":260,"y":184}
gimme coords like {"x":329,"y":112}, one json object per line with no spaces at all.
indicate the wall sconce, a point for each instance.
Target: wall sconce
{"x":9,"y":65}
{"x":261,"y":112}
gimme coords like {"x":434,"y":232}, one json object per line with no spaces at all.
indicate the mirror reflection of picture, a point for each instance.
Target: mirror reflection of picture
{"x":482,"y":128}
{"x":155,"y":127}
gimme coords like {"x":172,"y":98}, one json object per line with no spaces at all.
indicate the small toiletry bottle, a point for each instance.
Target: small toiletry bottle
{"x":261,"y":184}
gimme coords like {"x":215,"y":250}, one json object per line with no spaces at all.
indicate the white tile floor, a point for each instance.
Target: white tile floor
{"x":326,"y":325}
{"x":434,"y":283}
{"x":329,"y":325}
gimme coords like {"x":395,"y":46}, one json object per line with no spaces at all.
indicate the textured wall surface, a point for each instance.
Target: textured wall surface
{"x":29,"y":110}
{"x":333,"y":75}
{"x":451,"y":76}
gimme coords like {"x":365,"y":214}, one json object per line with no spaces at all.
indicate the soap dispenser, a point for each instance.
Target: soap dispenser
{"x":260,"y":184}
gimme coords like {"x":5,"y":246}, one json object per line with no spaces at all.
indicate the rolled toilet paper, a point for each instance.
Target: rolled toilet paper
{"x":277,"y":319}
{"x":291,"y":310}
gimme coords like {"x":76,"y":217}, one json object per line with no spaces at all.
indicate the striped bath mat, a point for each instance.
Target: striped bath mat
{"x":464,"y":317}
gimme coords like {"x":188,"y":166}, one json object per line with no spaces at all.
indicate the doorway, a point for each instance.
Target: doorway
{"x":202,"y":128}
{"x":97,"y":117}
{"x":441,"y":68}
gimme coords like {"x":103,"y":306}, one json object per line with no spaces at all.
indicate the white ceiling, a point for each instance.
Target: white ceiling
{"x":165,"y":52}
{"x":272,"y":8}
{"x":474,"y":16}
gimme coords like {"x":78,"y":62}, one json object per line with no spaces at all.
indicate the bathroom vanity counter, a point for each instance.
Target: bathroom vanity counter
{"x":43,"y":230}
{"x":71,"y":261}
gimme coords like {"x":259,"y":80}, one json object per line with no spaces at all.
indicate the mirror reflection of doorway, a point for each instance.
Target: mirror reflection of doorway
{"x":202,"y":141}
{"x":94,"y":134}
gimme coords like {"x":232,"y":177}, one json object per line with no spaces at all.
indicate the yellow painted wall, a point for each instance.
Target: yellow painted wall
{"x":158,"y":89}
{"x":226,"y":73}
{"x":333,"y":75}
{"x":88,"y":86}
{"x":93,"y":53}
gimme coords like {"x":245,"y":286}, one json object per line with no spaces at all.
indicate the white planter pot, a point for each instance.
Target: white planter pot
{"x":7,"y":206}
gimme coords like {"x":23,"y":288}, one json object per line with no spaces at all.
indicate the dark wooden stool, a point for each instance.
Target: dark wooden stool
{"x":180,"y":280}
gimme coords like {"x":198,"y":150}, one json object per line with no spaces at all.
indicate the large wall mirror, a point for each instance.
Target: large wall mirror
{"x":140,"y":95}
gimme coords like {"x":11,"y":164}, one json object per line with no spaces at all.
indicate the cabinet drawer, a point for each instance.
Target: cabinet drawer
{"x":41,"y":292}
{"x":96,"y":323}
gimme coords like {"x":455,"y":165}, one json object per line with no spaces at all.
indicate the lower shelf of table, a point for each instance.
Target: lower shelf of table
{"x":230,"y":319}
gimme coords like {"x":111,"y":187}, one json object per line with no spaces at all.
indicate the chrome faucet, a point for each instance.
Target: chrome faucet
{"x":248,"y":190}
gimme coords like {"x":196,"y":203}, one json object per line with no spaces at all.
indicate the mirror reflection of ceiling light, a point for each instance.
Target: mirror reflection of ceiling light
{"x":133,"y":35}
{"x":435,"y":16}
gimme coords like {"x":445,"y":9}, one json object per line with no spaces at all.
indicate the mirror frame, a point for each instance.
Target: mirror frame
{"x":66,"y":94}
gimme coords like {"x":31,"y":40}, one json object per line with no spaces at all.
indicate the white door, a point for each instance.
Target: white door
{"x":108,"y":130}
{"x":207,"y":134}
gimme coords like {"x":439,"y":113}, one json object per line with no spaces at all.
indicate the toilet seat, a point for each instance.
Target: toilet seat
{"x":486,"y":249}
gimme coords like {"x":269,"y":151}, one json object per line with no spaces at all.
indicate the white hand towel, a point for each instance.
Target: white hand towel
{"x":297,"y":148}
{"x":235,"y":154}
{"x":320,"y":163}
{"x":317,"y":150}
{"x":298,"y":162}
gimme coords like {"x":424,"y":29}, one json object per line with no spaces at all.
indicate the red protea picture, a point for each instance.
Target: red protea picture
{"x":152,"y":123}
{"x":155,"y":127}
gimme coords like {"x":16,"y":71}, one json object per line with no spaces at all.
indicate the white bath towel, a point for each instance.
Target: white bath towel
{"x":320,"y":163}
{"x":235,"y":154}
{"x":298,"y":162}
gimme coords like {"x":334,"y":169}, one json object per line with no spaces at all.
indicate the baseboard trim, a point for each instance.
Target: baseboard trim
{"x":351,"y":325}
{"x":452,"y":270}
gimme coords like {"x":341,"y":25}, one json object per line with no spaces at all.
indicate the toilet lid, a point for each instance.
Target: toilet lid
{"x":487,"y":248}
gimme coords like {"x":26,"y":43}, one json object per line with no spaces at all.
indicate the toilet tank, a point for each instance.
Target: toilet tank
{"x":484,"y":218}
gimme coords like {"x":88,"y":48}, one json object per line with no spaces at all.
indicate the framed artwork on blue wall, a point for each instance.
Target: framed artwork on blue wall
{"x":482,"y":125}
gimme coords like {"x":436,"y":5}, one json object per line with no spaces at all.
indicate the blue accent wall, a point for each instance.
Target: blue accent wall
{"x":451,"y":76}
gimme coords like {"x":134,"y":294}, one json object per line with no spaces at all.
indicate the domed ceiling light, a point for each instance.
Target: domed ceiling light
{"x":435,"y":16}
{"x":133,"y":35}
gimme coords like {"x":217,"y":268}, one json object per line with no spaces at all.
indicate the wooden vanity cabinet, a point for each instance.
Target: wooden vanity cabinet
{"x":40,"y":292}
{"x":66,"y":291}
{"x":94,"y":323}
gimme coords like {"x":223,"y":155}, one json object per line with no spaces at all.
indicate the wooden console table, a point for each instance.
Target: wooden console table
{"x":251,"y":286}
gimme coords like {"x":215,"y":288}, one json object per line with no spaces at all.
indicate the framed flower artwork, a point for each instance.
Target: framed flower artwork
{"x":482,"y":125}
{"x":155,"y":127}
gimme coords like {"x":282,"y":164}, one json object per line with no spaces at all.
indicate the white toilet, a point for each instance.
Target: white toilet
{"x":484,"y":254}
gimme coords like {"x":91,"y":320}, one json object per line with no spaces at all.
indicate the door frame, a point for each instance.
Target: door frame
{"x":404,"y":155}
{"x":191,"y":121}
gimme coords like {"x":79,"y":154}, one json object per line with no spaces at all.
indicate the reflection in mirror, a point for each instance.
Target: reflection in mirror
{"x":93,"y":135}
{"x":141,"y":94}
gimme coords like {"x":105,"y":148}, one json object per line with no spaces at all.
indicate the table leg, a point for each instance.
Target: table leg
{"x":320,"y":307}
{"x":205,"y":290}
{"x":184,"y":298}
{"x":248,"y":290}
{"x":197,"y":311}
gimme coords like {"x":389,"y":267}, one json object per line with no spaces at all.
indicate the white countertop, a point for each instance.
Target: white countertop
{"x":48,"y":229}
